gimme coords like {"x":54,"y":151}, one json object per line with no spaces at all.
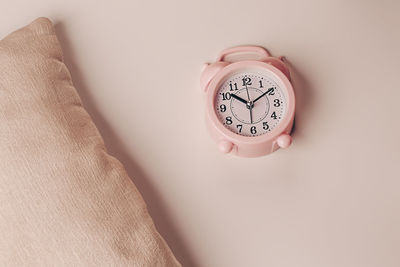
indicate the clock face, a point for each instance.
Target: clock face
{"x":250,"y":103}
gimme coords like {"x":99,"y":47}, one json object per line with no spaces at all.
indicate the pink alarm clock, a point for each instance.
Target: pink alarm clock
{"x":250,"y":104}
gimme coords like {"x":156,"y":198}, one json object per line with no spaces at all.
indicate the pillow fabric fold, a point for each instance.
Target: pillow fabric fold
{"x":63,"y":200}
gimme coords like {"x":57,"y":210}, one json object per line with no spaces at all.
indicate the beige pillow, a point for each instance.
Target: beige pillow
{"x":63,"y":200}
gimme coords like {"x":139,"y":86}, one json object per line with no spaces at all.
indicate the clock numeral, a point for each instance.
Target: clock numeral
{"x":239,"y":126}
{"x":246,"y":81}
{"x":233,"y":86}
{"x":265,"y":125}
{"x":271,"y":91}
{"x":273,"y":115}
{"x":277,"y":103}
{"x":253,"y":130}
{"x":228,"y":120}
{"x":226,"y":96}
{"x":222,"y":108}
{"x":261,"y":85}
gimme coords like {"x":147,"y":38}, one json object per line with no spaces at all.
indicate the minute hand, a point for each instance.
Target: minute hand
{"x":269,"y":90}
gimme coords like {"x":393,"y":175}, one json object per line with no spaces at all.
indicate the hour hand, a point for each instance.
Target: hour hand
{"x":239,"y":98}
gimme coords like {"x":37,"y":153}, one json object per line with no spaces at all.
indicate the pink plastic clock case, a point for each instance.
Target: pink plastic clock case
{"x":241,"y":145}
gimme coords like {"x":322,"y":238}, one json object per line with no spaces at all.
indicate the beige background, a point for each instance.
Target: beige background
{"x":332,"y":199}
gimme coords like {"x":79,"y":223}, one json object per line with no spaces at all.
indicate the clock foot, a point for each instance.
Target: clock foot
{"x":284,"y":140}
{"x":225,"y":146}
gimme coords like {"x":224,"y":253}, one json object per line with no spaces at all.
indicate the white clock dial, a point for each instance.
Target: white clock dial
{"x":250,"y":104}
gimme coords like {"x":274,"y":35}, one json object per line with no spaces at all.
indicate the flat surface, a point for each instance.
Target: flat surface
{"x":332,"y":199}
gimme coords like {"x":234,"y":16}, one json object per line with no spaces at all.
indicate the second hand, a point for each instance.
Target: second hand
{"x":249,"y":105}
